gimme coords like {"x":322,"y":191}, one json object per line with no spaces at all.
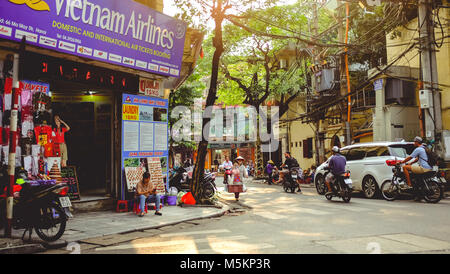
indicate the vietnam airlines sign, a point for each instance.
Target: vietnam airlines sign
{"x":120,"y":32}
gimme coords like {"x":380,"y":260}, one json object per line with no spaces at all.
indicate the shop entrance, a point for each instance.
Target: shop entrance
{"x":89,"y":115}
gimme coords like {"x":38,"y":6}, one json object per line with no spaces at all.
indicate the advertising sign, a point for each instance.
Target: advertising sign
{"x":151,"y":87}
{"x":144,"y":140}
{"x":120,"y":32}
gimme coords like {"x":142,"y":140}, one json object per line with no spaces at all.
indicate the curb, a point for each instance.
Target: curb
{"x":23,"y":249}
{"x":219,"y":214}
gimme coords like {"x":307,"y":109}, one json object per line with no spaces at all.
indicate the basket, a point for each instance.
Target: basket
{"x":171,"y":200}
{"x":235,"y":188}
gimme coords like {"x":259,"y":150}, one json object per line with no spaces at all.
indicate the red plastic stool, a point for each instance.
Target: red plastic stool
{"x":137,"y":208}
{"x":153,"y":206}
{"x":122,"y":206}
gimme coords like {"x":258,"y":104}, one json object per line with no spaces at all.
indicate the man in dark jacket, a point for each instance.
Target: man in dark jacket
{"x":336,"y":164}
{"x":291,"y":162}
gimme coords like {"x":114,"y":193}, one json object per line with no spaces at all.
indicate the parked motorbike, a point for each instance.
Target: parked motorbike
{"x":209,"y":185}
{"x":42,"y":208}
{"x":290,"y":179}
{"x":341,"y":186}
{"x":181,"y":179}
{"x":429,"y":185}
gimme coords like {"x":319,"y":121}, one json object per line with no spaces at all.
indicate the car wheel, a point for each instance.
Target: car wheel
{"x":370,"y":187}
{"x":320,"y":184}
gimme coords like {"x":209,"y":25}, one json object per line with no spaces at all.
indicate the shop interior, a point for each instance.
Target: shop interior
{"x":89,"y":115}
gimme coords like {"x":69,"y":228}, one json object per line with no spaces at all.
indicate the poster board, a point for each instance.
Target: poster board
{"x":69,"y":176}
{"x":145,"y":145}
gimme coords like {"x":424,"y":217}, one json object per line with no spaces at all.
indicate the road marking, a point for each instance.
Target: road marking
{"x":170,"y":243}
{"x":309,"y":211}
{"x":382,"y":203}
{"x":195,"y":233}
{"x":340,"y":206}
{"x":423,"y":242}
{"x":222,"y":249}
{"x":394,"y":243}
{"x":270,"y":215}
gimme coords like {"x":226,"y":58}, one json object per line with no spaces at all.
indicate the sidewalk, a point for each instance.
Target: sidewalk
{"x":99,"y":224}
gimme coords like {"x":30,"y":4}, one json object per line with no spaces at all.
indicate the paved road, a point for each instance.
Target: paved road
{"x":298,"y":223}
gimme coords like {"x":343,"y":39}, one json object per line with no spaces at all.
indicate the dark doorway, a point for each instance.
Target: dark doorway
{"x":88,"y":143}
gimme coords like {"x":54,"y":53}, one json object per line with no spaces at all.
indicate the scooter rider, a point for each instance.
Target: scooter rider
{"x":291,"y":162}
{"x":337,"y":166}
{"x":225,"y":165}
{"x":419,"y":154}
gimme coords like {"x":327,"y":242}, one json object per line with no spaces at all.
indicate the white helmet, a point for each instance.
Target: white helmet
{"x":335,"y":149}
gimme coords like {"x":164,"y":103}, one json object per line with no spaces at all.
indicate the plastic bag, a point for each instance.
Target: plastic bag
{"x":188,"y":199}
{"x":329,"y":178}
{"x":179,"y":196}
{"x":173,"y":191}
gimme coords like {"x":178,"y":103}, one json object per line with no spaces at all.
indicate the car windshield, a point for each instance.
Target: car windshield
{"x":401,"y":151}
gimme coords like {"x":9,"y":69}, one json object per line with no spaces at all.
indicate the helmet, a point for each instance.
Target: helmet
{"x":418,"y":140}
{"x":335,"y":149}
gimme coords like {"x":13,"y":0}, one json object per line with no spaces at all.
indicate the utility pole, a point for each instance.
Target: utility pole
{"x":319,"y":151}
{"x":344,"y":77}
{"x":12,"y":147}
{"x":17,"y":64}
{"x":433,"y":115}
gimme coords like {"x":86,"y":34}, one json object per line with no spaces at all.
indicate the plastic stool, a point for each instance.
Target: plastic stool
{"x":137,"y":209}
{"x":153,"y":206}
{"x":122,"y":206}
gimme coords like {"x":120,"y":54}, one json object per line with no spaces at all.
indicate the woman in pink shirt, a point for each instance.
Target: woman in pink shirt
{"x":58,"y":138}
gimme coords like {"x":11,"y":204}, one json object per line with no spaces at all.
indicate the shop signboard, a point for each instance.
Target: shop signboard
{"x":144,"y":141}
{"x":120,"y":32}
{"x":151,"y":87}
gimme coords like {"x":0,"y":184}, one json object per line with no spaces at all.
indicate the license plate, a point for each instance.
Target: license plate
{"x":294,"y":176}
{"x":348,"y":181}
{"x":443,"y":180}
{"x":65,"y":202}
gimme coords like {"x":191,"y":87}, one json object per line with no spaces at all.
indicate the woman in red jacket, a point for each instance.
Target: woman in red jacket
{"x":58,"y":138}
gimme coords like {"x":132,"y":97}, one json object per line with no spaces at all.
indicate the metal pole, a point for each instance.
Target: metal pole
{"x":12,"y":147}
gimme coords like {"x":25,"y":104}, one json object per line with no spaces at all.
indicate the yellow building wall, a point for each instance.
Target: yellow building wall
{"x":412,"y":58}
{"x":298,"y":132}
{"x":154,"y":4}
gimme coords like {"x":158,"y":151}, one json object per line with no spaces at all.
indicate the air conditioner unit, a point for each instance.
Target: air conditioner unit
{"x":425,"y":98}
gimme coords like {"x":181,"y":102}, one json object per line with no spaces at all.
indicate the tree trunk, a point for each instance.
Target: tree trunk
{"x":259,"y":159}
{"x":199,"y":169}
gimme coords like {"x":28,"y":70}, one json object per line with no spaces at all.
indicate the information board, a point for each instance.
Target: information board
{"x":69,"y":177}
{"x":145,"y":136}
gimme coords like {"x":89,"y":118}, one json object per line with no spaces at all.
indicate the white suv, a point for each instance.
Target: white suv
{"x":367,"y":165}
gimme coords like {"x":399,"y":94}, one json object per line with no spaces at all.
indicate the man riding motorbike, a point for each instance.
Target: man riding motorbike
{"x":419,"y":154}
{"x":289,"y":163}
{"x":227,"y":165}
{"x":337,"y":166}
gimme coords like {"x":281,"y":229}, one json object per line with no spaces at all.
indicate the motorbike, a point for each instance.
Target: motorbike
{"x":181,"y":179}
{"x":227,"y":175}
{"x":429,"y":186}
{"x":290,"y":179}
{"x":43,"y":208}
{"x":209,"y":185}
{"x":341,"y":186}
